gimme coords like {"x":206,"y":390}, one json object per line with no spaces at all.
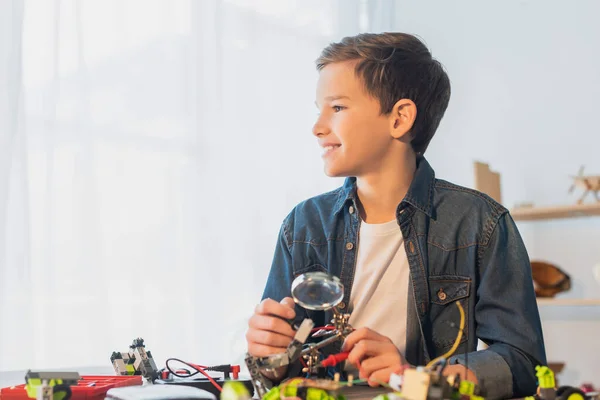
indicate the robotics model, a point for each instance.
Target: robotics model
{"x":313,"y":291}
{"x":137,"y":361}
{"x":320,"y":291}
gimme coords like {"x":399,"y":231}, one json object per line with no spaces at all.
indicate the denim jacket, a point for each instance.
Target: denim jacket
{"x":461,"y":246}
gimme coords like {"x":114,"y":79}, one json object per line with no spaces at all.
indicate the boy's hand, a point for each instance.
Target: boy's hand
{"x":375,"y":355}
{"x":269,"y":332}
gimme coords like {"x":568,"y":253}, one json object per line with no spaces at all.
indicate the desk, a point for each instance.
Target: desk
{"x":13,"y":378}
{"x":357,"y":392}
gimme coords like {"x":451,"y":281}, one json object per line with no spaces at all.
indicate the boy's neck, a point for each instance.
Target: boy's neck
{"x":380,"y":193}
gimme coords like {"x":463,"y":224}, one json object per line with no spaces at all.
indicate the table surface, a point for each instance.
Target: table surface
{"x":13,"y":378}
{"x":363,"y":392}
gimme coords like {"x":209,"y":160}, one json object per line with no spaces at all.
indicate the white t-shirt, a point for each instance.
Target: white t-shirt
{"x":380,"y":288}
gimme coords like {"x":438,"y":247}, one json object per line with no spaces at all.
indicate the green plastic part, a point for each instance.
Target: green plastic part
{"x":466,"y":387}
{"x":545,"y":377}
{"x":272,"y":394}
{"x":34,"y":384}
{"x":233,"y":390}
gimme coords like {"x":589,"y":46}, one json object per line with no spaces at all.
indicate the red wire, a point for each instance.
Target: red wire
{"x":200,"y":369}
{"x":327,"y":328}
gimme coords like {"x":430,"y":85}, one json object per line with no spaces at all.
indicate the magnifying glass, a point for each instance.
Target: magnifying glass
{"x":317,"y":291}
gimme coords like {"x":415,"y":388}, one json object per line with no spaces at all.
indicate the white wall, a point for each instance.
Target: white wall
{"x":526,"y":90}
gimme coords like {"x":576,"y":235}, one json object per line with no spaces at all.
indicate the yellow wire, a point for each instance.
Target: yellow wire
{"x":456,"y":342}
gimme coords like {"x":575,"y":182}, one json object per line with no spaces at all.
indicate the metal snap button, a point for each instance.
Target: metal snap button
{"x":351,"y":210}
{"x":342,"y":305}
{"x":441,"y":294}
{"x":349,"y":246}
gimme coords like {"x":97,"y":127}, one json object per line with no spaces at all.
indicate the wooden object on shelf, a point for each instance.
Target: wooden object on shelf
{"x":588,"y":183}
{"x":487,"y":181}
{"x":567,"y":302}
{"x":555,"y":212}
{"x":549,"y":279}
{"x":556,"y":367}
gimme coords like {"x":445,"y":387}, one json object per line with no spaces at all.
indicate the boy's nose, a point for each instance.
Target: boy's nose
{"x":319,"y":129}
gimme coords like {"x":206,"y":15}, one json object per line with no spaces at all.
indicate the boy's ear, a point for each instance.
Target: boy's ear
{"x":402,"y":118}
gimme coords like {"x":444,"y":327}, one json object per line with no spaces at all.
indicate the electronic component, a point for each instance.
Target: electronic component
{"x":48,"y":385}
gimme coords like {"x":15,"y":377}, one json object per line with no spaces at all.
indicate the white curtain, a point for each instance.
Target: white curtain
{"x":149,"y":152}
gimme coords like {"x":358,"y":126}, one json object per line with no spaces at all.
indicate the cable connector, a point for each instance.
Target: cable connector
{"x":226,"y":369}
{"x":334,"y":359}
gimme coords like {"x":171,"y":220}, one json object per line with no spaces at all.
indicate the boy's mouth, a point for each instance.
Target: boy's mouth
{"x":327,"y":150}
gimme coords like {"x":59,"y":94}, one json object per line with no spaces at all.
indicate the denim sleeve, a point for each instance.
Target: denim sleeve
{"x":279,"y":281}
{"x":507,"y":317}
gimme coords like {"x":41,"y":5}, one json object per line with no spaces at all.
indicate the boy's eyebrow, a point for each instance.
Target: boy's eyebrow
{"x":333,"y":98}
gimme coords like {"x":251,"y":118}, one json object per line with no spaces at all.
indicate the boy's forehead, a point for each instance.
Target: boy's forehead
{"x":338,"y":79}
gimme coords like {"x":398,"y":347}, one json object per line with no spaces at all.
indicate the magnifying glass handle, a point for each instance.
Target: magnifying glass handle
{"x":293,"y":324}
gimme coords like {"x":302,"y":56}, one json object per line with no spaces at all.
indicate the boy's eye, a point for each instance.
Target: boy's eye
{"x":338,"y":108}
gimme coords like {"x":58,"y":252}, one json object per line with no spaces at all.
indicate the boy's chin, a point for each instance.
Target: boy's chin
{"x":333,"y":172}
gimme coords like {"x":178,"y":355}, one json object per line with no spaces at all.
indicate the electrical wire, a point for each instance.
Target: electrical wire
{"x":326,"y":328}
{"x":456,"y":342}
{"x":199,"y":369}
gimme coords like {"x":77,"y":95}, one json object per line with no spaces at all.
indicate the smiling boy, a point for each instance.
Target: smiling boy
{"x":405,"y":245}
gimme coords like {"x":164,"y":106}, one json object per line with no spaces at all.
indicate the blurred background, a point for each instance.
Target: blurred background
{"x":149,"y":151}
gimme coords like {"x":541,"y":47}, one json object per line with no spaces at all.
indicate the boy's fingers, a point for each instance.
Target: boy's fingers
{"x":288,"y":301}
{"x":271,"y":324}
{"x":379,"y":377}
{"x":366,"y":348}
{"x":261,"y":350}
{"x":358,"y":335}
{"x":382,"y":361}
{"x":271,"y":307}
{"x":267,"y":338}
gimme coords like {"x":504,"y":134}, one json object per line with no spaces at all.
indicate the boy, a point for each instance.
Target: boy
{"x":405,"y":245}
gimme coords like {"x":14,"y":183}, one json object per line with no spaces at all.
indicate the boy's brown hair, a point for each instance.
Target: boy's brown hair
{"x":396,"y":66}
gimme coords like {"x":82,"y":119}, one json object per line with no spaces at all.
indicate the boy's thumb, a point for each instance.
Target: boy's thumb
{"x":288,"y":301}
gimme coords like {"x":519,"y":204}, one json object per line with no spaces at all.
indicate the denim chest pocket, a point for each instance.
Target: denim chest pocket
{"x":310,"y":256}
{"x":309,"y":267}
{"x":445,"y":291}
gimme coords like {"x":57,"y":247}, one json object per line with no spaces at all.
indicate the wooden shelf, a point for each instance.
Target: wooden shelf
{"x":555,"y":212}
{"x":567,"y":302}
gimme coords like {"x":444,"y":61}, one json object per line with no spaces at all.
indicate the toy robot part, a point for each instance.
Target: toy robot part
{"x":50,"y":385}
{"x":547,"y":388}
{"x":137,"y":361}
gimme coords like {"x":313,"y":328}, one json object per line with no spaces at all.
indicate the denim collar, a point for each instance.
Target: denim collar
{"x":419,"y":195}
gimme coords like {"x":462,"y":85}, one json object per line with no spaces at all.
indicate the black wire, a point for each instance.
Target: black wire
{"x":216,"y":368}
{"x":183,"y":362}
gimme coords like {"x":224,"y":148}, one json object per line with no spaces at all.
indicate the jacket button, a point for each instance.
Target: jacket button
{"x":351,"y":210}
{"x":342,"y":305}
{"x":349,"y":246}
{"x":441,"y":295}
